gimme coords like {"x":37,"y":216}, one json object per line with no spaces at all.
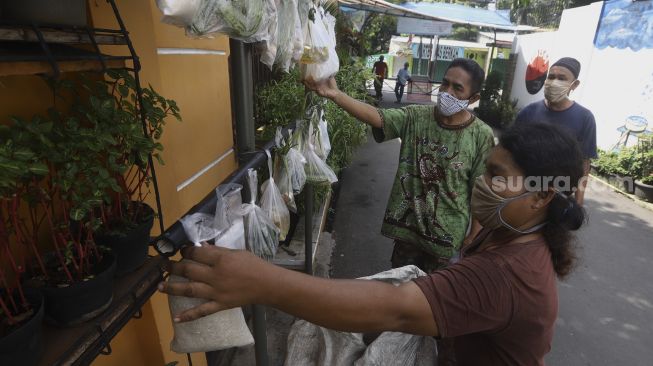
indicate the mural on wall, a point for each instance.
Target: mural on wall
{"x":625,"y":24}
{"x":536,"y":72}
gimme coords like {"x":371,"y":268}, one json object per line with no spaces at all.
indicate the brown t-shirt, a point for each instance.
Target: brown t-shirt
{"x":499,"y":303}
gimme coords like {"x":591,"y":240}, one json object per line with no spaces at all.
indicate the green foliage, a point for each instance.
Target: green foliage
{"x":492,"y":109}
{"x":282,"y":102}
{"x":464,"y":32}
{"x":648,"y":180}
{"x":630,"y":162}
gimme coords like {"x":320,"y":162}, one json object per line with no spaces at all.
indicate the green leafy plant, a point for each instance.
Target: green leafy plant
{"x":492,"y":109}
{"x":648,"y":180}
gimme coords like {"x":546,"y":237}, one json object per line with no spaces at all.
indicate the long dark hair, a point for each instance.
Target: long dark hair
{"x":544,"y":150}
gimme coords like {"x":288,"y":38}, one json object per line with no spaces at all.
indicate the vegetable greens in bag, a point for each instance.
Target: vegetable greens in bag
{"x":290,"y":174}
{"x":261,"y":234}
{"x":317,"y":170}
{"x":272,"y":203}
{"x":245,"y":20}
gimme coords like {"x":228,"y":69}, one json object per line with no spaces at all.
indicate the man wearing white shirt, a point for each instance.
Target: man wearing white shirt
{"x":403,"y":77}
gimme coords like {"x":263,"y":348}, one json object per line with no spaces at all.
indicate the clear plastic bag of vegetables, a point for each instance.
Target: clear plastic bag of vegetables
{"x":319,"y":60}
{"x":273,"y":204}
{"x":286,"y":41}
{"x":317,"y":170}
{"x":289,"y":171}
{"x":261,"y":234}
{"x":245,"y":20}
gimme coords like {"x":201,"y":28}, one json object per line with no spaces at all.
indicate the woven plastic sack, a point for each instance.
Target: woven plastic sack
{"x":273,"y":204}
{"x":312,"y":345}
{"x":218,"y":331}
{"x":261,"y":234}
{"x":245,"y":20}
{"x":319,"y":60}
{"x":178,"y":12}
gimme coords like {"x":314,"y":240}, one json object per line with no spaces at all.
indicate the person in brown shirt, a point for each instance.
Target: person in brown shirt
{"x":499,"y":302}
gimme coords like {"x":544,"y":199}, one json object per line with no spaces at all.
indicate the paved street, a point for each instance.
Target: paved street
{"x":606,"y":306}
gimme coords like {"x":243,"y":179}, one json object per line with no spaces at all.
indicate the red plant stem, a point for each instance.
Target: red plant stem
{"x":56,"y":244}
{"x":5,"y":309}
{"x":3,"y":280}
{"x":31,"y":242}
{"x":72,"y":258}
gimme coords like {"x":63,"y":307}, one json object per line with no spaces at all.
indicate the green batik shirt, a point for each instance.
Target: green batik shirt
{"x":429,"y":204}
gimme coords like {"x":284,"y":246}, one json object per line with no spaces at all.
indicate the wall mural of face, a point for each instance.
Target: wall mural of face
{"x":536,"y":72}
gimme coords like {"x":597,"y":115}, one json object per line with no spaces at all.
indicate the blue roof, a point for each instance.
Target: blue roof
{"x":464,"y":14}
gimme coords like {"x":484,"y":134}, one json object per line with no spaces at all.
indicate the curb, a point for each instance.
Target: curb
{"x":632,"y":197}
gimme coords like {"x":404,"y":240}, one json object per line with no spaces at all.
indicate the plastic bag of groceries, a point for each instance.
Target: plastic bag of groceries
{"x":317,"y":170}
{"x":289,"y":172}
{"x":228,"y":213}
{"x":261,"y":234}
{"x":273,"y":204}
{"x":312,"y":345}
{"x":286,"y":42}
{"x":319,"y":60}
{"x":178,"y":12}
{"x":245,"y":20}
{"x":224,"y":329}
{"x":322,"y":141}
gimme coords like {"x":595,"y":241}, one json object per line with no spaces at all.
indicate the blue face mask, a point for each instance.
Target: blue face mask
{"x":486,"y":207}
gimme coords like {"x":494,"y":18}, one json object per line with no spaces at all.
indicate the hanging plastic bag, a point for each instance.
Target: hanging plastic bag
{"x":178,"y":12}
{"x":319,"y":60}
{"x":261,"y":234}
{"x":199,"y":227}
{"x":221,"y":330}
{"x":286,"y":37}
{"x":317,"y":170}
{"x":290,"y":174}
{"x":227,"y":212}
{"x":218,"y":331}
{"x":245,"y":20}
{"x":273,"y":204}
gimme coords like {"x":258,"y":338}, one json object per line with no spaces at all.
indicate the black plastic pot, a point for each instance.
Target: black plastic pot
{"x":60,"y":12}
{"x":24,"y":345}
{"x":130,"y":249}
{"x":644,"y":191}
{"x":81,"y":301}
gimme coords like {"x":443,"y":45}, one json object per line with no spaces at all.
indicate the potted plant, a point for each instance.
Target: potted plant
{"x":112,"y":108}
{"x":644,"y":188}
{"x":21,"y":310}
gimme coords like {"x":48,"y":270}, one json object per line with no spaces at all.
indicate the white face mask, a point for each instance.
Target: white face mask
{"x":556,"y":91}
{"x":448,"y":105}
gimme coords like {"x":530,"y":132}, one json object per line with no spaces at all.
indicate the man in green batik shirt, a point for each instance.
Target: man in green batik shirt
{"x":443,"y":149}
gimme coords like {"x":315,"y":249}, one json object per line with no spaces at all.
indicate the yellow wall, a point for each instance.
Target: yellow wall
{"x":200,"y":85}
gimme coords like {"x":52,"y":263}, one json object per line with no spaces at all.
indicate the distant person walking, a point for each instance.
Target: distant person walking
{"x":558,"y":109}
{"x":380,"y":70}
{"x":403,"y":77}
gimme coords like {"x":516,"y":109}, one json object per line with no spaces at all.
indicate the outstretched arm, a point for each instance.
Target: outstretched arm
{"x":232,"y":278}
{"x":362,"y":111}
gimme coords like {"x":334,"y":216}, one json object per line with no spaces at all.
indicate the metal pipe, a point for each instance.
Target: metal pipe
{"x":260,"y":335}
{"x":174,"y":238}
{"x":242,"y":95}
{"x":308,"y":228}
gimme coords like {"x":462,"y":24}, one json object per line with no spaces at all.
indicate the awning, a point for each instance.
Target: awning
{"x":453,"y":13}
